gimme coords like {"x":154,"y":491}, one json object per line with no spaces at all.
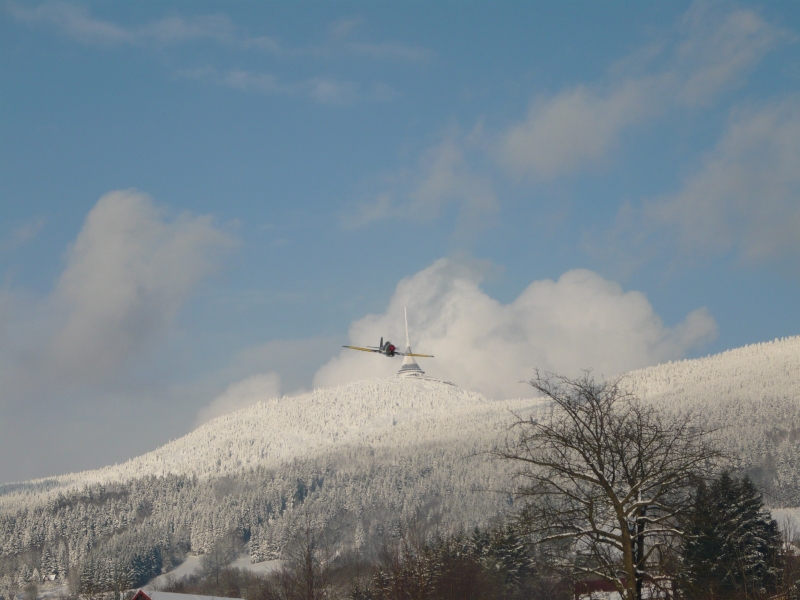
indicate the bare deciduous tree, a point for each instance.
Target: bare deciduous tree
{"x":308,"y":573}
{"x":610,"y":475}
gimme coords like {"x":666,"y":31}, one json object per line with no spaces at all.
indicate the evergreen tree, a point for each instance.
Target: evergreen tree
{"x":734,"y":545}
{"x":49,"y":569}
{"x":88,"y":579}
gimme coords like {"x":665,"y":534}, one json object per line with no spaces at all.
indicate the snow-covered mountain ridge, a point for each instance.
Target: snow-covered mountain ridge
{"x":391,"y":412}
{"x":752,"y":394}
{"x":362,"y":461}
{"x":764,"y":369}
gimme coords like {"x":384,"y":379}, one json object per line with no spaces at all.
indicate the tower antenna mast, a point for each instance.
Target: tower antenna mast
{"x":405,"y":314}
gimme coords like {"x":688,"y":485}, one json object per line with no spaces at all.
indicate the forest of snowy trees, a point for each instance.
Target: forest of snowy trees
{"x":368,"y":464}
{"x":131,"y":532}
{"x":734,"y":553}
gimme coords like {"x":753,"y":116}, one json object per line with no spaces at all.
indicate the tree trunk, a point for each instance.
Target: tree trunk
{"x":639,"y":558}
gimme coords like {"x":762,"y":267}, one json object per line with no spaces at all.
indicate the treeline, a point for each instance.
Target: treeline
{"x":493,"y":563}
{"x":734,"y":551}
{"x":606,"y":492}
{"x":133,"y":531}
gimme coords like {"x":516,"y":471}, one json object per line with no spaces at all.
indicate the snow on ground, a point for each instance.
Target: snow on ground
{"x":156,"y":595}
{"x":192,"y":565}
{"x":267,"y":566}
{"x":788,"y":520}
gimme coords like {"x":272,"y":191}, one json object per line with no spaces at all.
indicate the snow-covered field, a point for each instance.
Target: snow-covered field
{"x":188,"y":567}
{"x":192,"y":566}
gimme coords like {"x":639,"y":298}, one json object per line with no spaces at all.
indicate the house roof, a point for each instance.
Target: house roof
{"x":150,"y":595}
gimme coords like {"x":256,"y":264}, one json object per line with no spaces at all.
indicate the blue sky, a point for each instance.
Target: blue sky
{"x":201,"y":202}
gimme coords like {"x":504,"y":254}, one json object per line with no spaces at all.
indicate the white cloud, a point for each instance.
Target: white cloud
{"x":127,"y":275}
{"x":580,"y":321}
{"x":444,"y":177}
{"x":573,"y":128}
{"x":343,"y":28}
{"x":73,"y":21}
{"x":295,"y":361}
{"x":364,"y":214}
{"x":744,"y":199}
{"x":77,"y":23}
{"x":581,"y":126}
{"x":241,"y":395}
{"x":387,"y":50}
{"x":177,"y":30}
{"x":84,"y":362}
{"x":330,"y":91}
{"x":320,"y":89}
{"x":23,"y":234}
{"x":239,"y":79}
{"x":341,"y":31}
{"x":718,"y":50}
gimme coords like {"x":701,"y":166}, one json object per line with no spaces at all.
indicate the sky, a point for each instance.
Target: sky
{"x":201,"y":202}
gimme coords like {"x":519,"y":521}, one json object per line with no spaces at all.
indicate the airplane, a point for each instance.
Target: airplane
{"x":389,"y":349}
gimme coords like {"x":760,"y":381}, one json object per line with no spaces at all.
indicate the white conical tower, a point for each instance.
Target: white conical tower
{"x":409,"y":368}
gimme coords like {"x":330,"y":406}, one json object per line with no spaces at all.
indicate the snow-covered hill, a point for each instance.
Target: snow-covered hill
{"x":361,"y":460}
{"x":752,"y":394}
{"x":382,"y":413}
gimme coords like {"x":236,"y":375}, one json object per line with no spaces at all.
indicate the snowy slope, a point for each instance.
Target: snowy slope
{"x":753,"y":395}
{"x":363,"y":460}
{"x":752,"y":392}
{"x":757,"y":371}
{"x":381,"y":413}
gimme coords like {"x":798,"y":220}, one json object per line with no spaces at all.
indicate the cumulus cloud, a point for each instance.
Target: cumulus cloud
{"x":127,"y":275}
{"x":242,"y":394}
{"x":579,"y":321}
{"x":581,"y":126}
{"x":81,"y":363}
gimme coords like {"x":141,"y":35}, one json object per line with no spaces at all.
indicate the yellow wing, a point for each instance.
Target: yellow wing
{"x":425,"y":355}
{"x":362,"y":349}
